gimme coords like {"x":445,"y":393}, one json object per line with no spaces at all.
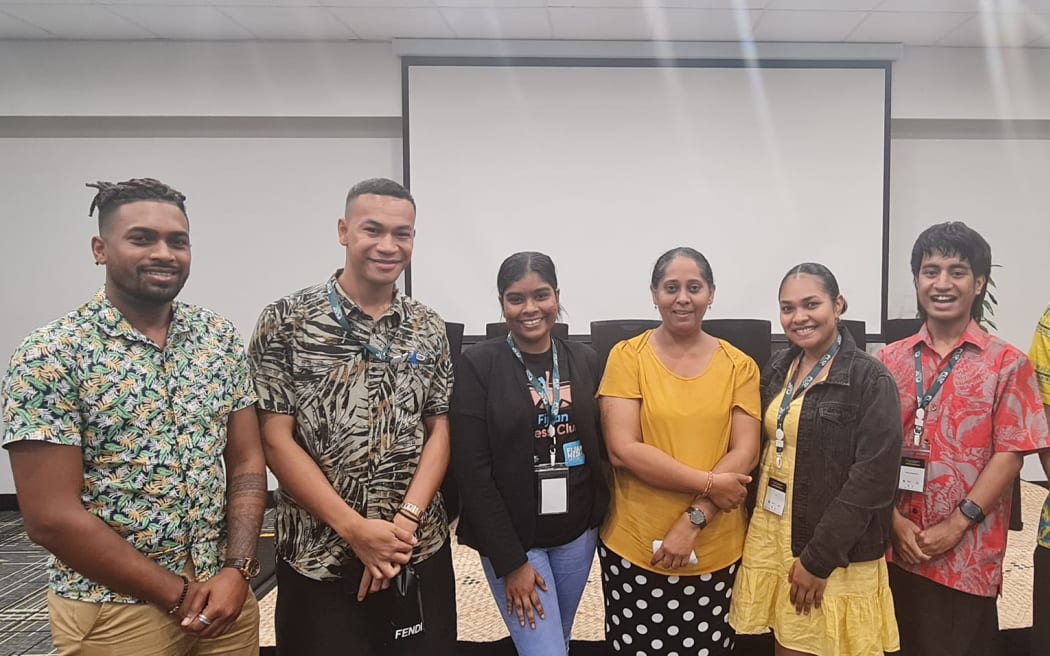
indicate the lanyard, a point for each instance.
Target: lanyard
{"x":372,"y":352}
{"x":923,"y":400}
{"x":552,"y":401}
{"x":790,"y":393}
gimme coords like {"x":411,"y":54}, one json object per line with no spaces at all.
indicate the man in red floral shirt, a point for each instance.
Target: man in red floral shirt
{"x":971,"y":410}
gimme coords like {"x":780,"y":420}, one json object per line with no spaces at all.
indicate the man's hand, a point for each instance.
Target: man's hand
{"x":369,"y":583}
{"x":381,"y":546}
{"x":943,"y":536}
{"x":520,"y":587}
{"x":219,"y":599}
{"x":807,"y":591}
{"x":728,"y":490}
{"x":905,"y":536}
{"x":677,"y":546}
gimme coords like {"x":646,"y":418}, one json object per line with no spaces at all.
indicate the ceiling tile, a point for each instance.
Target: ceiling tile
{"x":826,"y":5}
{"x":505,"y":23}
{"x":598,"y":4}
{"x":15,"y":28}
{"x":807,"y":25}
{"x":184,"y":22}
{"x":912,"y":28}
{"x":704,"y":24}
{"x":78,"y":21}
{"x":608,"y":23}
{"x":387,"y":22}
{"x":713,"y":4}
{"x":491,"y":4}
{"x":300,"y":23}
{"x":955,"y":6}
{"x":375,"y":4}
{"x":998,"y":30}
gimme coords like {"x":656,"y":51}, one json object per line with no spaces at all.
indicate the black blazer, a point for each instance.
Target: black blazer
{"x":492,"y":425}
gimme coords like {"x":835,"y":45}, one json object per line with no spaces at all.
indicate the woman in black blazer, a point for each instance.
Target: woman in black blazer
{"x":526,"y":450}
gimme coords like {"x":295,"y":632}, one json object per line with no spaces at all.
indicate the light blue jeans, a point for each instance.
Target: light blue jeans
{"x":565,"y":569}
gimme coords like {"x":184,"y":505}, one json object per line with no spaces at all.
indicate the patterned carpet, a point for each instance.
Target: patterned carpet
{"x":23,"y":580}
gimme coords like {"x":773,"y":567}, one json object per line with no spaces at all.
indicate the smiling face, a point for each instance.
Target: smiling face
{"x":682,"y":295}
{"x":530,"y":307}
{"x":947,"y":288}
{"x":808,"y":313}
{"x":145,"y":246}
{"x":378,"y":233}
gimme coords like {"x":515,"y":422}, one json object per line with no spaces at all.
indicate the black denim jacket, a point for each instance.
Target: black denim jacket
{"x":847,"y":458}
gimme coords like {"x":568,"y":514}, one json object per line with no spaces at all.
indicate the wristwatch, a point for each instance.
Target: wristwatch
{"x":247,"y":567}
{"x":971,"y":511}
{"x":697,"y":517}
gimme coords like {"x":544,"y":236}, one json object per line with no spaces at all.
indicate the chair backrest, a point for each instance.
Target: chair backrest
{"x":607,"y":334}
{"x":752,"y":336}
{"x":454,"y":333}
{"x":499,"y":329}
{"x":449,"y":489}
{"x":859,"y":330}
{"x":897,"y":329}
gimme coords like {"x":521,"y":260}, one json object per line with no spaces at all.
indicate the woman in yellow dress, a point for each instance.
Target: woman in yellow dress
{"x":814,"y":566}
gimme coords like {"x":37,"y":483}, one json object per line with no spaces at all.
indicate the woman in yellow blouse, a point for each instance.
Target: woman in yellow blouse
{"x":680,"y":415}
{"x":814,"y":567}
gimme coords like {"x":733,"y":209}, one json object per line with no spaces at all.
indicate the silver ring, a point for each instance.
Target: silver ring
{"x":203,"y":619}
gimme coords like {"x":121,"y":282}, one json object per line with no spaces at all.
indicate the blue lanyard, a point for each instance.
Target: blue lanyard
{"x":552,"y":401}
{"x":412,"y":358}
{"x":790,"y":393}
{"x":923,"y":400}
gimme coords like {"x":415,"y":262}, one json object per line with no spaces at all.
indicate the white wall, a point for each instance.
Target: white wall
{"x":992,"y":186}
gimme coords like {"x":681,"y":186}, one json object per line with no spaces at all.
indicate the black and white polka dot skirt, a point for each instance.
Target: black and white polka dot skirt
{"x":655,"y":615}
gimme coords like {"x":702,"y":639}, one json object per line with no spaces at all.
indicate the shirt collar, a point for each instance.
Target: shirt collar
{"x":113,"y":322}
{"x":971,"y":335}
{"x":397,"y":303}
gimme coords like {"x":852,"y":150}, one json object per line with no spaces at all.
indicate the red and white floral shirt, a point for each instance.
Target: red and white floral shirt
{"x":989,"y":404}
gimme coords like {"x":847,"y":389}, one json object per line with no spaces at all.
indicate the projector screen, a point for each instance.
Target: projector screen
{"x":606,"y":166}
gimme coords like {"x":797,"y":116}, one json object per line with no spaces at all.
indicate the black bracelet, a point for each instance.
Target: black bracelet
{"x":403,"y":513}
{"x":182,"y":597}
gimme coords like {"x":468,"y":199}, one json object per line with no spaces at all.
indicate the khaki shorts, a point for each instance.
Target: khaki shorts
{"x":80,"y":628}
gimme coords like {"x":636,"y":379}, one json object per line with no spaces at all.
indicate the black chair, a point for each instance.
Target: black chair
{"x":897,"y":329}
{"x":560,"y":330}
{"x":454,"y":333}
{"x":607,"y":334}
{"x":752,"y":336}
{"x":859,"y":331}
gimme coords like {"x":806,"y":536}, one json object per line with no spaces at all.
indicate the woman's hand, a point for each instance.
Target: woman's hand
{"x":520,"y":587}
{"x":677,"y":548}
{"x":807,"y":591}
{"x":728,"y":490}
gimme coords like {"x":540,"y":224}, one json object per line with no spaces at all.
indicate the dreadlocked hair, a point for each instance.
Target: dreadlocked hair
{"x":112,"y":195}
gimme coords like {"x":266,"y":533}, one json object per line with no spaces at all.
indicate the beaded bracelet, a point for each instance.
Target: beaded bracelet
{"x":182,"y":597}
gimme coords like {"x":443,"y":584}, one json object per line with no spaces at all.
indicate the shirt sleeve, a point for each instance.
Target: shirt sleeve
{"x":240,"y":374}
{"x":746,"y":395}
{"x":1040,"y":356}
{"x":40,"y":393}
{"x":269,"y":357}
{"x":1018,"y":419}
{"x":440,"y":392}
{"x":621,"y":379}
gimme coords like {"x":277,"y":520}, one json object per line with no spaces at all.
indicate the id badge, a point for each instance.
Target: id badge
{"x":776,"y":497}
{"x":553,"y":494}
{"x":913,"y":474}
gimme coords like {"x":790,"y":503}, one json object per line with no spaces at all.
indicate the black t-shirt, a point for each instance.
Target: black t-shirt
{"x":555,"y":530}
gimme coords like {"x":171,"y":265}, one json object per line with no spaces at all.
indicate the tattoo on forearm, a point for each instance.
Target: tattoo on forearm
{"x":245,"y":503}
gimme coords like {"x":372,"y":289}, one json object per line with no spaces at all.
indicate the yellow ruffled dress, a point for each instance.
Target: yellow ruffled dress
{"x":856,"y":617}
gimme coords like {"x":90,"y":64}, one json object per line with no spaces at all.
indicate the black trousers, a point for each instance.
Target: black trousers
{"x":1041,"y":602}
{"x":324,"y":618}
{"x":935,"y":620}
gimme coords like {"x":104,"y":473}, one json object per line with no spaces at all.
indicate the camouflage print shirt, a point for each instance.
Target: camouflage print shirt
{"x":150,"y":422}
{"x":360,"y":417}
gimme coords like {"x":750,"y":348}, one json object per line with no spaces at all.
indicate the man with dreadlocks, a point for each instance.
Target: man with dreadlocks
{"x":119,"y":419}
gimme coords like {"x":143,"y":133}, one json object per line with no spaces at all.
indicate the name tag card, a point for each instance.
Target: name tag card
{"x":912,"y":474}
{"x":553,"y":493}
{"x":776,"y":497}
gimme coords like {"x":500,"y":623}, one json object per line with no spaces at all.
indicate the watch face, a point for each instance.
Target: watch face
{"x":252,"y":567}
{"x":697,"y":517}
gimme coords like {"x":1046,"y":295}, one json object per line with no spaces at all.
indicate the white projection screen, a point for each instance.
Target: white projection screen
{"x":605,"y":165}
